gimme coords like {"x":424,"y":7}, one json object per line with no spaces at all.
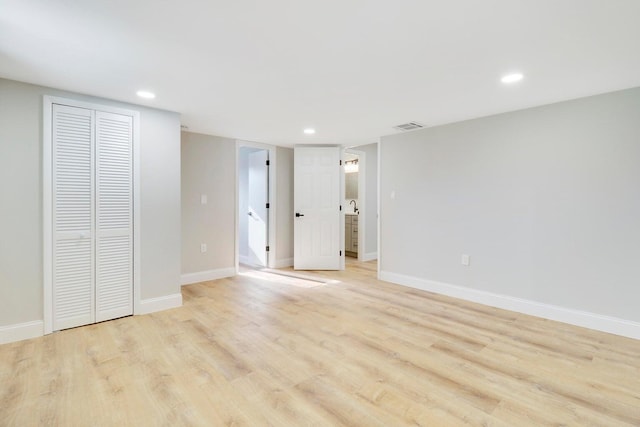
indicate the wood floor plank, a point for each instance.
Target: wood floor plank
{"x":263,"y":349}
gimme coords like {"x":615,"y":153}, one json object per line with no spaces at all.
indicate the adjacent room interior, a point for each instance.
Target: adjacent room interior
{"x":359,"y":214}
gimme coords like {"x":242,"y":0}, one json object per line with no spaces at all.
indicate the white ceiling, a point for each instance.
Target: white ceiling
{"x":264,"y":70}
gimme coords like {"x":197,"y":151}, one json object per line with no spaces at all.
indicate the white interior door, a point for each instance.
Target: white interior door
{"x":92,"y":216}
{"x":258,"y":220}
{"x":73,"y":293}
{"x":317,"y":208}
{"x":114,"y":216}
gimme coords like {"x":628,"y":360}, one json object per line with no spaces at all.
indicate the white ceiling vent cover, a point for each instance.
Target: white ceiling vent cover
{"x":409,"y":126}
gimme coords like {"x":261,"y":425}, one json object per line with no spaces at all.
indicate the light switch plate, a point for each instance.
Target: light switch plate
{"x":466,"y":259}
{"x":203,"y":199}
{"x":203,"y":247}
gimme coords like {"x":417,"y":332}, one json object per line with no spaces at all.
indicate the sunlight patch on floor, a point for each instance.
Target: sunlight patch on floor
{"x":286,"y":278}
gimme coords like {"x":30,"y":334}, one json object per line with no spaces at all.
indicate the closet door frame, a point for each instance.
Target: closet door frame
{"x":47,"y":198}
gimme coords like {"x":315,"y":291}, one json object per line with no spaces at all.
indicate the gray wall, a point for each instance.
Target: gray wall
{"x":208,"y":167}
{"x":371,"y":172}
{"x":21,"y":276}
{"x":545,"y":200}
{"x":284,"y":206}
{"x":160,"y":193}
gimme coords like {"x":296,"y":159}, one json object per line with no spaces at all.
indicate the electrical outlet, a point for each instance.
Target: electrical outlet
{"x":203,"y":247}
{"x":466,"y":259}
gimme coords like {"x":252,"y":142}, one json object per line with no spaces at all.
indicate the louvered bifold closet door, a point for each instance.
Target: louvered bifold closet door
{"x":114,"y":216}
{"x":73,"y":216}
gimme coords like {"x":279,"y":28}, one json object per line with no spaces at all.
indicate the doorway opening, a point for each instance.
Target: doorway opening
{"x":253,"y":206}
{"x":354,"y":203}
{"x":351,"y":203}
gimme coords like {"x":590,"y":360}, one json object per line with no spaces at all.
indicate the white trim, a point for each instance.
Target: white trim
{"x":47,"y":180}
{"x":379,"y":212}
{"x":599,"y":322}
{"x":273,"y":205}
{"x":284,"y":263}
{"x":370,"y":256}
{"x":166,"y":302}
{"x":47,"y":212}
{"x":236,"y":210}
{"x":137,"y":222}
{"x":362,"y":199}
{"x":21,"y":331}
{"x":343,"y":195}
{"x":204,"y":276}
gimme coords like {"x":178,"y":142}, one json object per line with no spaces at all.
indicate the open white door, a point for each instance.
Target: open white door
{"x":258,"y":189}
{"x":317,"y":208}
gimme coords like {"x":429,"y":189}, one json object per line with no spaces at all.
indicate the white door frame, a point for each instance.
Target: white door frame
{"x":362,"y":200}
{"x":379,"y":213}
{"x":47,"y":199}
{"x":271,"y":229}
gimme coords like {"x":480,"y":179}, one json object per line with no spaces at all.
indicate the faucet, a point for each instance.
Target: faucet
{"x":355,"y":206}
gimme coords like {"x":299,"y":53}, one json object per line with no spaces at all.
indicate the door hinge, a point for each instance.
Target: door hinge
{"x":340,"y":253}
{"x":268,"y":163}
{"x":340,"y":207}
{"x":267,"y":205}
{"x":267,"y":248}
{"x":340,"y":162}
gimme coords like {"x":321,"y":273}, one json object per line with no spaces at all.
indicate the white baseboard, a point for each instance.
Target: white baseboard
{"x":21,"y":331}
{"x":34,"y":329}
{"x":166,"y":302}
{"x":369,"y":256}
{"x":283,"y":263}
{"x":203,"y":276}
{"x":613,"y":325}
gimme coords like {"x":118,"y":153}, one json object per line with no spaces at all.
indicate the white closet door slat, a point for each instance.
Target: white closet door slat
{"x":114,"y":216}
{"x":73,"y":216}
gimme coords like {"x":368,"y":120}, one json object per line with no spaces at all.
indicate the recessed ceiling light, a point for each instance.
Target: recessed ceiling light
{"x":309,"y":131}
{"x":145,"y":94}
{"x":511,"y":78}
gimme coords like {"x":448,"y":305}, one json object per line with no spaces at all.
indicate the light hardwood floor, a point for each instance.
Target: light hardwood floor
{"x":259,"y":350}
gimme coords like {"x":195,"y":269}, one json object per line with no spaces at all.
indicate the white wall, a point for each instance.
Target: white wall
{"x":21,"y":276}
{"x":208,"y":167}
{"x":284,"y":207}
{"x":545,"y":200}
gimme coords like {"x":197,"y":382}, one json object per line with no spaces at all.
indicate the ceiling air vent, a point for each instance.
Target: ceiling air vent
{"x":409,"y":126}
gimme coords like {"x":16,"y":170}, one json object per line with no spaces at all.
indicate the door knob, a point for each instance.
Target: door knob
{"x":298,"y":215}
